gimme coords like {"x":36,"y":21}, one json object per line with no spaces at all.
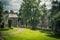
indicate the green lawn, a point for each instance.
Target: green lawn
{"x":28,"y":34}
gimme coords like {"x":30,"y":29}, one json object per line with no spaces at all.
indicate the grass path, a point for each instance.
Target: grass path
{"x":18,"y":31}
{"x":27,"y":34}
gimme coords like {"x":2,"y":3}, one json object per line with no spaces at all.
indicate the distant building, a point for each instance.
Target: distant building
{"x":13,"y":18}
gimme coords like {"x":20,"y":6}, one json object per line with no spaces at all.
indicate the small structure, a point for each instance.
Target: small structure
{"x":13,"y":18}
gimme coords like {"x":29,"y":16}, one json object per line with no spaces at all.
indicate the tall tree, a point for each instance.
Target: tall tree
{"x":55,"y":12}
{"x":43,"y":15}
{"x":6,"y":12}
{"x":11,"y":11}
{"x":30,"y":13}
{"x":1,"y":15}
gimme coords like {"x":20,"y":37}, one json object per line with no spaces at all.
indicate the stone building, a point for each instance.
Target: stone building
{"x":13,"y":18}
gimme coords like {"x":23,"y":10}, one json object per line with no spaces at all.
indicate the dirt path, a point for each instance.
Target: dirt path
{"x":18,"y":31}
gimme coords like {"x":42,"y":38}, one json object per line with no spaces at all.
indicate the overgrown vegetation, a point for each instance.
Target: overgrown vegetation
{"x":1,"y":16}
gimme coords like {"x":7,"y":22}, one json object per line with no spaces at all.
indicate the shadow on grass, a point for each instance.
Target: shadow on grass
{"x":4,"y":29}
{"x":50,"y":34}
{"x":54,"y":36}
{"x":46,"y":31}
{"x":10,"y":28}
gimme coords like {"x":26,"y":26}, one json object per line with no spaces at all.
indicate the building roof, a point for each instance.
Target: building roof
{"x":13,"y":16}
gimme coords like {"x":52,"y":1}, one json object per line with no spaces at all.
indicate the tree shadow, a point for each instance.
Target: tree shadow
{"x":4,"y":29}
{"x":46,"y":31}
{"x":54,"y":36}
{"x":50,"y":34}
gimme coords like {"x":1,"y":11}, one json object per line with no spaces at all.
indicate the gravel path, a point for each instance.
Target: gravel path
{"x":18,"y":31}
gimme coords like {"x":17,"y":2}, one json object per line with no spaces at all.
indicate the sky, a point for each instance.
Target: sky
{"x":15,"y":4}
{"x":47,"y":2}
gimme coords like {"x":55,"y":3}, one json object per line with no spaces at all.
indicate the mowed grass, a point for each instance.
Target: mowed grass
{"x":28,"y":34}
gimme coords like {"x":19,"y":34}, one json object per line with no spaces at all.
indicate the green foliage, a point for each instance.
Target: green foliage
{"x":6,"y":12}
{"x":1,"y":7}
{"x":11,"y":11}
{"x":29,"y":12}
{"x":55,"y":9}
{"x":55,"y":16}
{"x":1,"y":14}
